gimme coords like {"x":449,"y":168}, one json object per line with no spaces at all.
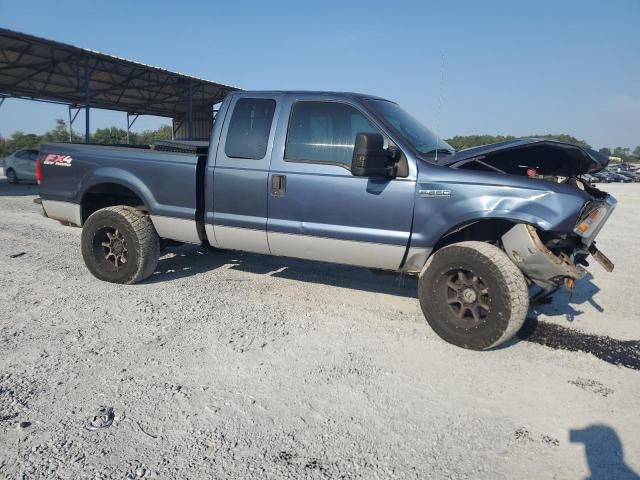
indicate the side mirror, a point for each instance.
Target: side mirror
{"x":370,"y":159}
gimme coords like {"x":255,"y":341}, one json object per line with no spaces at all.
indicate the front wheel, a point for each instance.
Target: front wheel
{"x":473,"y":295}
{"x":120,"y":245}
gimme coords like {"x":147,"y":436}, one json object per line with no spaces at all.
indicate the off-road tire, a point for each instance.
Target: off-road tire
{"x":506,"y":295}
{"x":139,"y":235}
{"x":11,"y":176}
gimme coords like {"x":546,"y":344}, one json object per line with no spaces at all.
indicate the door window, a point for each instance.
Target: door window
{"x":249,"y":127}
{"x":324,"y":132}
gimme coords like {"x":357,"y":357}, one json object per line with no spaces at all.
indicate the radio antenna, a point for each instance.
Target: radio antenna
{"x":439,"y":104}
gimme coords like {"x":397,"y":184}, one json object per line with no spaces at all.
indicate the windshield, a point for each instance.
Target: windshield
{"x":410,"y":129}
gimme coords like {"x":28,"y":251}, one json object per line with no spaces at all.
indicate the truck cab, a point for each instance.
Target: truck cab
{"x":280,"y":172}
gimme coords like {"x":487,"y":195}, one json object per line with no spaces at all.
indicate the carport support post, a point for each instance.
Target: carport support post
{"x":130,"y":124}
{"x":72,"y":118}
{"x":189,"y":113}
{"x":87,"y":101}
{"x":70,"y":126}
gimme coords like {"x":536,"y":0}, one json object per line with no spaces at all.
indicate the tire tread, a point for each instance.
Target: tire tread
{"x":515,"y":294}
{"x":146,"y":236}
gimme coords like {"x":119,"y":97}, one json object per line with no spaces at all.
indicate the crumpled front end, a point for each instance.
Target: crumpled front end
{"x":550,"y":259}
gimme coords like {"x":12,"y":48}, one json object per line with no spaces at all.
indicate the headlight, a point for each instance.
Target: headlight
{"x":588,"y":224}
{"x":592,"y":221}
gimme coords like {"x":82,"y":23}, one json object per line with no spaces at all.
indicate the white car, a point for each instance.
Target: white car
{"x":21,"y":166}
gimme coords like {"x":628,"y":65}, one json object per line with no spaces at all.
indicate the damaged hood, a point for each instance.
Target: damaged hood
{"x":517,"y":157}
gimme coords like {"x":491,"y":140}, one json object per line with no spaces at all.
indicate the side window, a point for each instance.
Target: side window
{"x":249,"y":128}
{"x":324,"y":132}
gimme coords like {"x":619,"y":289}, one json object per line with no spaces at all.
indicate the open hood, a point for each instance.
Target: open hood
{"x":518,"y":157}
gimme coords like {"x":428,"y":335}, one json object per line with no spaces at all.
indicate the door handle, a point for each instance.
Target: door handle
{"x":278,"y":185}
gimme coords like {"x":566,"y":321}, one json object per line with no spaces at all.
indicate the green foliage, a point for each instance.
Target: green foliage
{"x":467,"y":141}
{"x":110,"y":135}
{"x":625,"y":154}
{"x":149,"y":136}
{"x":605,"y":152}
{"x":460,"y":142}
{"x":621,"y":152}
{"x":60,"y":133}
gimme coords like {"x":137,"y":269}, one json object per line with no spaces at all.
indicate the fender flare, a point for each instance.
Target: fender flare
{"x":120,"y":177}
{"x":514,"y":218}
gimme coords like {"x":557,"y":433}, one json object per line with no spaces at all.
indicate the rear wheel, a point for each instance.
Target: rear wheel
{"x":11,"y":176}
{"x":120,"y":245}
{"x":473,"y":295}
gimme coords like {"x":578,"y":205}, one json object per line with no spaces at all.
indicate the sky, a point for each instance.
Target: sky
{"x":509,"y":67}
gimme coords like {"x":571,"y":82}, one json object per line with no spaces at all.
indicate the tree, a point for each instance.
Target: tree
{"x":636,"y":152}
{"x":146,"y":137}
{"x":60,"y":133}
{"x":563,"y":137}
{"x":621,"y":152}
{"x":605,"y":152}
{"x":111,"y":135}
{"x":467,"y":141}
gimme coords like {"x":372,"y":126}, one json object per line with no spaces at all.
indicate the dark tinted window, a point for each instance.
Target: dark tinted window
{"x":324,"y":132}
{"x":249,"y":128}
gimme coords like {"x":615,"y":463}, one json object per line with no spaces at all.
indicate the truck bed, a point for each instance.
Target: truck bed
{"x":165,"y":179}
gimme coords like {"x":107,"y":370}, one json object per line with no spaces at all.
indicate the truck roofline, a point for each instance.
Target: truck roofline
{"x":335,"y":94}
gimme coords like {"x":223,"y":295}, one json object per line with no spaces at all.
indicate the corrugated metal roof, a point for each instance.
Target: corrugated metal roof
{"x":42,"y":69}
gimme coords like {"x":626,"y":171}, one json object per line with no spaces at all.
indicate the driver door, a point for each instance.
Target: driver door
{"x":317,"y":209}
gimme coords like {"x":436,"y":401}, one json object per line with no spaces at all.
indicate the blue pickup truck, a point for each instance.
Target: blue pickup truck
{"x":346,"y":178}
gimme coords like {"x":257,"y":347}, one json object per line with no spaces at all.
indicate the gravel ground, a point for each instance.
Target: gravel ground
{"x":232,"y":365}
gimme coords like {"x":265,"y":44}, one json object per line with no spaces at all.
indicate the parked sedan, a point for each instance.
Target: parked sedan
{"x":618,"y":177}
{"x":603,"y":177}
{"x":21,"y":166}
{"x":633,"y":177}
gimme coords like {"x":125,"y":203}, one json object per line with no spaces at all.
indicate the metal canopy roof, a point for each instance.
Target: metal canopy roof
{"x":40,"y":69}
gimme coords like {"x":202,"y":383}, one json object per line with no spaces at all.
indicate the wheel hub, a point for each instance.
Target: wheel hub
{"x":468,"y":299}
{"x":115,"y":248}
{"x":469,"y":295}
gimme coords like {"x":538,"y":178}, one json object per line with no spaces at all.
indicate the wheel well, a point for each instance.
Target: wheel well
{"x":487,"y":230}
{"x":108,"y":195}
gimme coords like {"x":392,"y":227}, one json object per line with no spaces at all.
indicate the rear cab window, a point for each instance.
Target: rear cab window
{"x":249,"y":128}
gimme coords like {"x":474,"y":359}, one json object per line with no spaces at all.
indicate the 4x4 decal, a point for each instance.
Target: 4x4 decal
{"x":59,"y":160}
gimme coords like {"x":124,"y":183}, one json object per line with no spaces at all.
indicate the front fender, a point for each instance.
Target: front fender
{"x":546,"y":209}
{"x":447,"y":198}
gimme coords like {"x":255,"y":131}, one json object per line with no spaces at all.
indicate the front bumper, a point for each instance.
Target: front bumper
{"x":548,"y":270}
{"x":537,"y":262}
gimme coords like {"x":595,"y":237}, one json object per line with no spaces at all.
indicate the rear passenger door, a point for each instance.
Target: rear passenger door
{"x":241,"y":173}
{"x":317,"y":208}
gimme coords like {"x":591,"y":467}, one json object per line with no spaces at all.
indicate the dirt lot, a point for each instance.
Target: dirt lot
{"x":231,"y":365}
